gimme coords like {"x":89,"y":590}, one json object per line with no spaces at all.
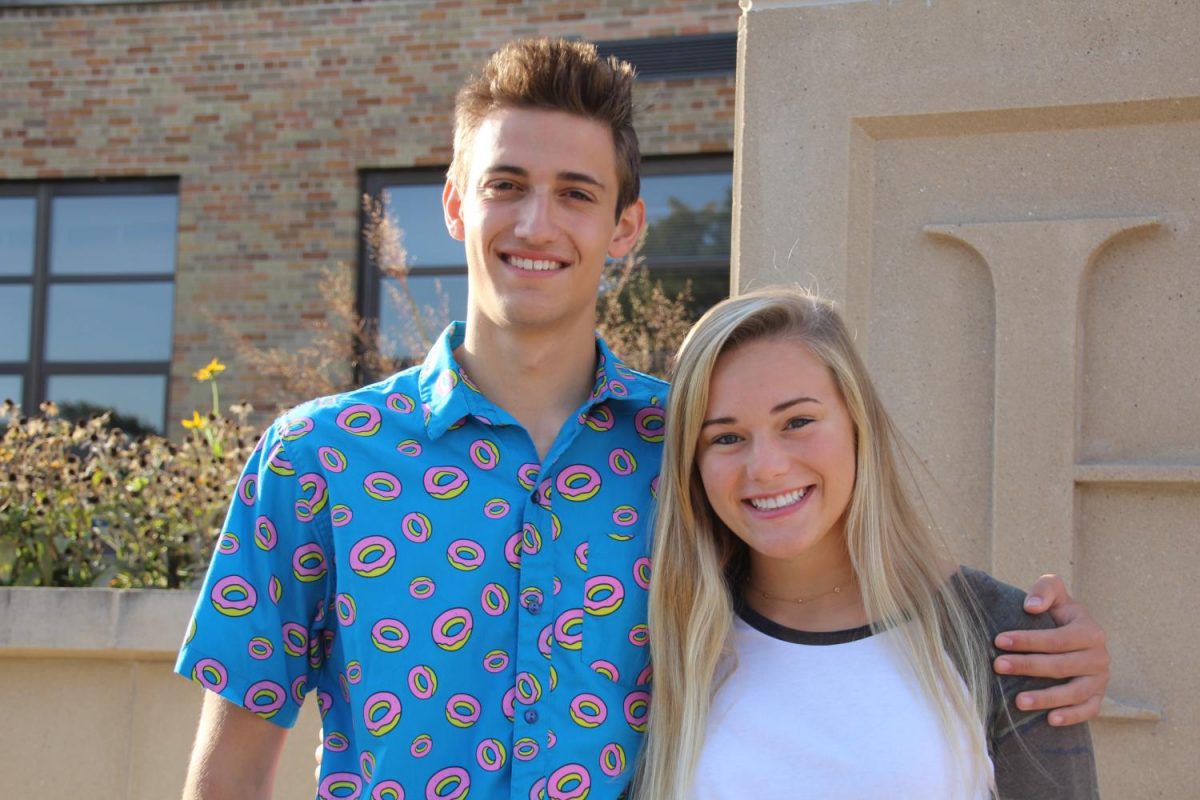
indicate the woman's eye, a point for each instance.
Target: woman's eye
{"x":726,"y":438}
{"x":798,"y":422}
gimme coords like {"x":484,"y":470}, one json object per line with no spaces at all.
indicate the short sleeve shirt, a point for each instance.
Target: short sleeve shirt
{"x":471,"y":619}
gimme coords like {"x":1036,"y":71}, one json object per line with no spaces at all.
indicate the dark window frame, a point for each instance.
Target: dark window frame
{"x":35,"y":372}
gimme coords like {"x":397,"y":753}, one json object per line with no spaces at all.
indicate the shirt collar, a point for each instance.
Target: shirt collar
{"x":448,"y":396}
{"x":615,"y":381}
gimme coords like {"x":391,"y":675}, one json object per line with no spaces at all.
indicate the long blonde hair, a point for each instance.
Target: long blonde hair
{"x":898,"y":557}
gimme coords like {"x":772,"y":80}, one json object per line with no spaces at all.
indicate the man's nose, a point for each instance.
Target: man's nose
{"x":536,"y":222}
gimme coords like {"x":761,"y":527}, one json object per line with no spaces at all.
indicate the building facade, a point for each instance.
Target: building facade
{"x":178,"y":176}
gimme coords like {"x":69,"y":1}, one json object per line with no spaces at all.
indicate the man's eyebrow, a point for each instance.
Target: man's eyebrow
{"x":784,"y":406}
{"x":569,"y":176}
{"x":507,"y":168}
{"x":580,"y":177}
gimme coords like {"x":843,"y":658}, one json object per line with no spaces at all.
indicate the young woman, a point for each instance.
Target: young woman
{"x":810,"y":634}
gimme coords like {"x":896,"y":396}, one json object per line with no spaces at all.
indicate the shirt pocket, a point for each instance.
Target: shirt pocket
{"x":615,"y":640}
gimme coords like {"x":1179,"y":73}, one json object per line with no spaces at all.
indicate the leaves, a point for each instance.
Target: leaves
{"x":638,"y":319}
{"x":85,"y":504}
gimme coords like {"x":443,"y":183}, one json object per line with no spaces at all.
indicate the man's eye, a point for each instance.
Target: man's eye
{"x":576,"y":194}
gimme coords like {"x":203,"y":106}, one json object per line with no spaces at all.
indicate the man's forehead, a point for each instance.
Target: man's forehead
{"x":537,"y":140}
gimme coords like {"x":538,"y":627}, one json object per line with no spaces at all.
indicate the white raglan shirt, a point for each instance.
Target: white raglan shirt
{"x":827,"y":716}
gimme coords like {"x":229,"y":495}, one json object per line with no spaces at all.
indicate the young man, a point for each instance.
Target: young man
{"x":455,"y":558}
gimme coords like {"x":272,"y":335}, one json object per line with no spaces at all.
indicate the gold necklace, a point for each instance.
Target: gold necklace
{"x":796,"y":600}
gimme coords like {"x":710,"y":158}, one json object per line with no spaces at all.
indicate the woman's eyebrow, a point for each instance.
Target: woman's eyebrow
{"x":785,"y":405}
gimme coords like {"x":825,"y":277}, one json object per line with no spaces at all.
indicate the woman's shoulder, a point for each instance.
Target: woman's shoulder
{"x":1001,"y":605}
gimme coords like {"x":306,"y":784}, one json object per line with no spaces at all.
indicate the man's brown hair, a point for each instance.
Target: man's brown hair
{"x":553,"y":75}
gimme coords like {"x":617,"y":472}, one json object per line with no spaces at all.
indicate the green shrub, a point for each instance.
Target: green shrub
{"x":86,"y":504}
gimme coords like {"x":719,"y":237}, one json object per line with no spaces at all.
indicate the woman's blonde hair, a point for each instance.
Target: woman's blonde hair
{"x":900,"y":560}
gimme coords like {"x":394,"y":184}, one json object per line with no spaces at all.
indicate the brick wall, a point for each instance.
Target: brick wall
{"x":267,"y":111}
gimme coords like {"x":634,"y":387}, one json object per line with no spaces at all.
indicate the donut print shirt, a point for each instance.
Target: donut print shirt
{"x":471,"y":620}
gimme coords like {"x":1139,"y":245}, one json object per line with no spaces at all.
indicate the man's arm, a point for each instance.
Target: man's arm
{"x":235,"y":754}
{"x":1075,"y":649}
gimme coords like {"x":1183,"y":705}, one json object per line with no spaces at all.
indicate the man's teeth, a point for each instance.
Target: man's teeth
{"x":778,"y":501}
{"x":533,"y":264}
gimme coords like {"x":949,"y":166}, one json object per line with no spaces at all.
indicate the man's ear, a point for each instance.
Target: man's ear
{"x":628,"y":230}
{"x":452,"y":210}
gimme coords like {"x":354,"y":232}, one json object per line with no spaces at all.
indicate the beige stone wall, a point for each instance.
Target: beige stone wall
{"x":1004,"y":196}
{"x":89,"y":706}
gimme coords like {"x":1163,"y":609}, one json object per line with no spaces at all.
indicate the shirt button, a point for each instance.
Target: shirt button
{"x":531,"y":716}
{"x":533,"y":606}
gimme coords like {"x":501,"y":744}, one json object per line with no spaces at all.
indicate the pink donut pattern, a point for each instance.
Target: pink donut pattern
{"x":464,"y":612}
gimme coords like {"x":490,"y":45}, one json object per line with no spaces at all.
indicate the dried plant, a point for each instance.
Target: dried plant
{"x":639,"y":320}
{"x":85,"y":504}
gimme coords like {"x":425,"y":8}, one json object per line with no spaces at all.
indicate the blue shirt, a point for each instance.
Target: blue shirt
{"x":470,"y":618}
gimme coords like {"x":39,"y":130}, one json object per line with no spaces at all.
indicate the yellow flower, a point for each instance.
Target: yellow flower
{"x":207,"y":373}
{"x":195,"y":423}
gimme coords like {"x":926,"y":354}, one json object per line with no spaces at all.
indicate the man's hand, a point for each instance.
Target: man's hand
{"x":1075,"y":650}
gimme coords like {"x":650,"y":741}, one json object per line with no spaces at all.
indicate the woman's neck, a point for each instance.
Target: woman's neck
{"x":817,"y":593}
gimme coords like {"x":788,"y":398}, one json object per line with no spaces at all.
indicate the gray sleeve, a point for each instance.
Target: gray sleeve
{"x":1040,"y":762}
{"x":1033,"y":760}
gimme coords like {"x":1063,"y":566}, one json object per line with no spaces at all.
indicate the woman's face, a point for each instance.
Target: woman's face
{"x":776,"y":453}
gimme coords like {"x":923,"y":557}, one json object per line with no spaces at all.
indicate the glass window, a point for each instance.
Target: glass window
{"x":687,"y":216}
{"x":16,"y":302}
{"x":139,"y":397}
{"x":416,"y":209}
{"x":439,"y":299}
{"x":87,"y":295}
{"x":17,"y":218}
{"x":10,"y":388}
{"x":689,"y":211}
{"x":107,"y":234}
{"x":92,"y":321}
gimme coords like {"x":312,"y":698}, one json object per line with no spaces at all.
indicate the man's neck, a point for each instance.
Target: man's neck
{"x":540,"y":376}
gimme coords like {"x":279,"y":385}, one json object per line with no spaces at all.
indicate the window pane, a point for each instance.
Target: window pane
{"x":16,"y":303}
{"x":110,"y":322}
{"x":16,"y":235}
{"x":113,"y":234}
{"x":398,"y":335}
{"x":138,"y":396}
{"x":417,"y":210}
{"x":10,"y":388}
{"x":688,"y":216}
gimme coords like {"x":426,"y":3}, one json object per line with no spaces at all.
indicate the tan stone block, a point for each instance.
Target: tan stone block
{"x":36,"y":618}
{"x":162,"y":730}
{"x":65,"y":730}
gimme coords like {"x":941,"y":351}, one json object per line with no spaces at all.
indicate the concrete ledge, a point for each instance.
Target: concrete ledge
{"x":142,"y":624}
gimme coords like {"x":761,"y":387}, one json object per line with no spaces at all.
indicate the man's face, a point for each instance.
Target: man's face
{"x":538,"y":216}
